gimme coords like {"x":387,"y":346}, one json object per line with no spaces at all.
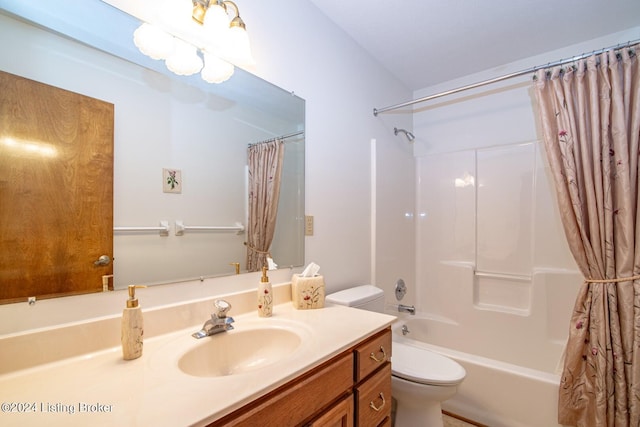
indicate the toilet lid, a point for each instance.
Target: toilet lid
{"x":424,"y":366}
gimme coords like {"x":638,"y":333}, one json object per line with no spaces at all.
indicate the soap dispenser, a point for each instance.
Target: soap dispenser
{"x":132,"y":326}
{"x":265,"y":295}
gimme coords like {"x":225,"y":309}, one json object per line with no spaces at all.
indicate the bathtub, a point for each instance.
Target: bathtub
{"x":494,"y":392}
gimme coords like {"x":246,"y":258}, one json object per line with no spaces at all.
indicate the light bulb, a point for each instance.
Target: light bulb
{"x":185,"y":60}
{"x":215,"y":69}
{"x":216,"y":21}
{"x":239,"y":48}
{"x":153,"y":42}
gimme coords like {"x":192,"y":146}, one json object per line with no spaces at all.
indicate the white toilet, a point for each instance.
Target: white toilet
{"x":421,"y":379}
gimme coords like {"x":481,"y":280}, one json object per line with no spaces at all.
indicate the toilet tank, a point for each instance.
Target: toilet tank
{"x":366,"y":297}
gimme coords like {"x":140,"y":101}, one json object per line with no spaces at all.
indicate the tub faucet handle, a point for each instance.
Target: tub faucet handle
{"x":400,"y":289}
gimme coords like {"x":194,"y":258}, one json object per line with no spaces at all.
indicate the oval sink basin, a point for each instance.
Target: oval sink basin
{"x":235,"y":352}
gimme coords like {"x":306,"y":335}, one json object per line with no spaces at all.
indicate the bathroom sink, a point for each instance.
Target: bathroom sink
{"x":239,"y":351}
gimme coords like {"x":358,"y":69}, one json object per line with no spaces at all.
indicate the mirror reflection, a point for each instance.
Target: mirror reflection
{"x":180,"y":154}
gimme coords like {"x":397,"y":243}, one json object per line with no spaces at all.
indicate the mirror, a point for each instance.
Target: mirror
{"x":165,"y":122}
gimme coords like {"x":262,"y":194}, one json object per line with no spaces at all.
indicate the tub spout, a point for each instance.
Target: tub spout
{"x":407,"y":309}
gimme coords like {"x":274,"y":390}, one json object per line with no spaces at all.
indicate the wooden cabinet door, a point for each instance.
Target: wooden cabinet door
{"x":340,"y":415}
{"x":56,"y":190}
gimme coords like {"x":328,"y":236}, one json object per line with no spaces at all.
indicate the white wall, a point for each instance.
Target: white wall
{"x":299,"y":49}
{"x":500,"y":113}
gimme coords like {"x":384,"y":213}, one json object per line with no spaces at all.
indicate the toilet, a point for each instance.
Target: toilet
{"x":421,"y":379}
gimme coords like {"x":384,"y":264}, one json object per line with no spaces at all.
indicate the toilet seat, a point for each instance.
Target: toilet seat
{"x":424,"y":366}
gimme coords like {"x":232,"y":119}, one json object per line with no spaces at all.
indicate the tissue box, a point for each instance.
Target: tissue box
{"x":307,"y":292}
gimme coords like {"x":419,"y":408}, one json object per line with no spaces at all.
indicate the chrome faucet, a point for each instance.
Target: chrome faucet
{"x":219,"y":321}
{"x":407,"y":309}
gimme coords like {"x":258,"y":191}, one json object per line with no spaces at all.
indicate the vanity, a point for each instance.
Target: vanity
{"x":351,"y":389}
{"x":321,"y":367}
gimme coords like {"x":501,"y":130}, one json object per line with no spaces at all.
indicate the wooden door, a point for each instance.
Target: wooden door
{"x":56,"y":190}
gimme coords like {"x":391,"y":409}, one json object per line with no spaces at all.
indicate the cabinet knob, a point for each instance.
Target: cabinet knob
{"x":382,"y":359}
{"x":378,"y":408}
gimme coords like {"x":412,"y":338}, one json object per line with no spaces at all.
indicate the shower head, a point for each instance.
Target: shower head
{"x":408,"y":134}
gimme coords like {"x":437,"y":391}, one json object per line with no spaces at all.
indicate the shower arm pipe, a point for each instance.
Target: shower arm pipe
{"x":377,"y":111}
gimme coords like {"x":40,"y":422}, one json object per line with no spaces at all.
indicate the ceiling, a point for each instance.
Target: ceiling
{"x":408,"y":37}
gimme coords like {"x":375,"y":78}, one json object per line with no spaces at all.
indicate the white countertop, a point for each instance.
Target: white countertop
{"x":101,"y":389}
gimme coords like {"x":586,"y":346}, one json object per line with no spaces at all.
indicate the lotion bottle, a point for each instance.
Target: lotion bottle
{"x":132,"y":326}
{"x":265,"y":295}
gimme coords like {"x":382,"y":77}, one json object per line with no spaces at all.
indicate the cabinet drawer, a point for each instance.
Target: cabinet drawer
{"x":298,"y":400}
{"x":373,"y":398}
{"x":372,"y":354}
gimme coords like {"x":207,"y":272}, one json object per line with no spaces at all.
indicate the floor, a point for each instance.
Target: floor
{"x":454,"y":422}
{"x":449,"y":421}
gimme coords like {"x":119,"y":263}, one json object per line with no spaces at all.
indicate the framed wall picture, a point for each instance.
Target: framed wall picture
{"x":171,"y":180}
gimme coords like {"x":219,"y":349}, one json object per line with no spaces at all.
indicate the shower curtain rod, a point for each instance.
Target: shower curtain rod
{"x":289,"y":135}
{"x":377,"y":111}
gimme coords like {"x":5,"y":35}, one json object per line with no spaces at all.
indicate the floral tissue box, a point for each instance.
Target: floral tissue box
{"x":307,"y":292}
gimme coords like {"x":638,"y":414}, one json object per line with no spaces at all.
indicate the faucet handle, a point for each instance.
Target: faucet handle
{"x":221,"y":307}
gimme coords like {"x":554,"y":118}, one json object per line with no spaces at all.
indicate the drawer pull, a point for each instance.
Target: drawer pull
{"x":384,"y":355}
{"x":378,"y":408}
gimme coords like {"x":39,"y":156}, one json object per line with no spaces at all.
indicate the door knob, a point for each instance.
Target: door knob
{"x":103,"y":260}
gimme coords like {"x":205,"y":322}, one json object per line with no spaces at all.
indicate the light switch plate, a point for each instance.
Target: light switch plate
{"x":308,"y":225}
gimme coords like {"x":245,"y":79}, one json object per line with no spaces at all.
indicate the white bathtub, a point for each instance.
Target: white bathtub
{"x":494,"y":392}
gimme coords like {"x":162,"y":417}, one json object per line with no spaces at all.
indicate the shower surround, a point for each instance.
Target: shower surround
{"x":495,"y":279}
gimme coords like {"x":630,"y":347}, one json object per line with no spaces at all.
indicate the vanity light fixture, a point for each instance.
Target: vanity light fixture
{"x":206,"y":36}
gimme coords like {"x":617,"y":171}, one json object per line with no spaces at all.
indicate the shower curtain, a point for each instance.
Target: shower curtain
{"x":590,"y":115}
{"x":265,"y":172}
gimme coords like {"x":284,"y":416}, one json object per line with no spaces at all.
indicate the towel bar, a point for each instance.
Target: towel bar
{"x":181,"y":228}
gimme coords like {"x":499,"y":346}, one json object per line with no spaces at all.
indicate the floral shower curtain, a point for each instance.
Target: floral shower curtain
{"x":265,"y":172}
{"x":590,"y":115}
